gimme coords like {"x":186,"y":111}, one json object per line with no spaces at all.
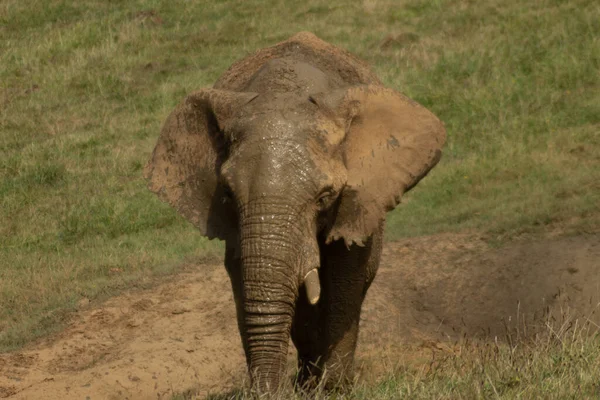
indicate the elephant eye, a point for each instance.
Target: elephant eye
{"x":325,"y":198}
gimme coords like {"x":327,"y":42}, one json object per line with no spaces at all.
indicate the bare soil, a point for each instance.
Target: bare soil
{"x":428,"y":293}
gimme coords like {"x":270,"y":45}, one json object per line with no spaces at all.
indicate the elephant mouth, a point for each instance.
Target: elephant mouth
{"x":312,"y":285}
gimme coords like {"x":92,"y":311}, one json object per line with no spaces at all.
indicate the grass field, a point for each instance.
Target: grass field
{"x":86,"y":85}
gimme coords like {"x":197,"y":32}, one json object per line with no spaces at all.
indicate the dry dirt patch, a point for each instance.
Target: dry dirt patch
{"x":431,"y":290}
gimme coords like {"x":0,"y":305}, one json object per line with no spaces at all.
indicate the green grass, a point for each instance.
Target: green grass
{"x":562,"y":363}
{"x":86,"y":85}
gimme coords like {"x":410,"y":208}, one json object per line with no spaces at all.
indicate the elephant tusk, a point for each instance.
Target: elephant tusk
{"x":312,"y":286}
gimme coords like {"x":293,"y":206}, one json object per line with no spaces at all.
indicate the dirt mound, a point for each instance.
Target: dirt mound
{"x":456,"y":285}
{"x":182,"y":334}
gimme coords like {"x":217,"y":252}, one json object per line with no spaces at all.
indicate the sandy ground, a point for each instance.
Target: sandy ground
{"x":429,"y":291}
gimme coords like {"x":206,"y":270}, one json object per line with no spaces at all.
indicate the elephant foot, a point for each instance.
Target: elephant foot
{"x":312,"y":377}
{"x":308,"y":377}
{"x":336,"y":381}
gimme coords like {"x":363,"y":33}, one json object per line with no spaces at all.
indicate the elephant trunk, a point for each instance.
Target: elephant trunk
{"x":270,"y":288}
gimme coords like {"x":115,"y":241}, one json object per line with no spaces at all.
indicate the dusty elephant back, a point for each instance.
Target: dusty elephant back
{"x":342,"y":67}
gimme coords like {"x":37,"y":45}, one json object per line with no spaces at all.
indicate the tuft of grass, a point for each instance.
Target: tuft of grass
{"x":86,"y":85}
{"x":561,"y":362}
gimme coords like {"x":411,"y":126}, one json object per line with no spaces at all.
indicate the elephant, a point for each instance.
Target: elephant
{"x":293,"y":158}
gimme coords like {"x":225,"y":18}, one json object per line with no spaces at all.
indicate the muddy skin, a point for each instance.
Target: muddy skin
{"x":293,"y":158}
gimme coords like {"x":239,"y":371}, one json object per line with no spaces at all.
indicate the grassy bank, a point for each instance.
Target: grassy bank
{"x":87,"y":84}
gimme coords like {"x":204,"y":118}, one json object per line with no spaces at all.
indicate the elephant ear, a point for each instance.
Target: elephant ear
{"x":183,"y":170}
{"x":391,"y":143}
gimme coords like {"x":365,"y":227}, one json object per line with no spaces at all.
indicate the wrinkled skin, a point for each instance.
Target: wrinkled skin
{"x":293,"y":158}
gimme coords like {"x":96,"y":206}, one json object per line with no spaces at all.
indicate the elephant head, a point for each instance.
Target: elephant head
{"x":277,"y":174}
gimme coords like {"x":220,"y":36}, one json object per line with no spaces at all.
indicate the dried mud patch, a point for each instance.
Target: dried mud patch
{"x":429,"y":292}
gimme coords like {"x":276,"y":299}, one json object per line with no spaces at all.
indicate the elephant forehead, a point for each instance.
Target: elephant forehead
{"x":286,"y":75}
{"x":281,"y":163}
{"x":287,"y":116}
{"x":296,"y":143}
{"x":276,"y":118}
{"x":291,"y":135}
{"x":271,"y":153}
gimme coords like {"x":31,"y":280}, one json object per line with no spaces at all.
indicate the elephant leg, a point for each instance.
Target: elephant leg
{"x":348,"y":276}
{"x":326,"y":334}
{"x":308,"y":337}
